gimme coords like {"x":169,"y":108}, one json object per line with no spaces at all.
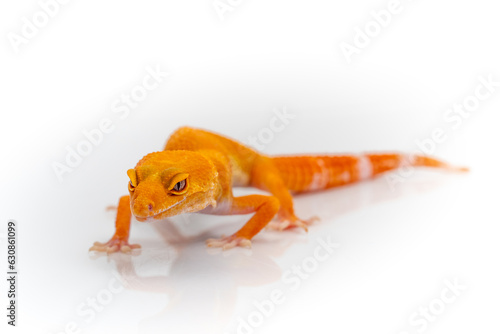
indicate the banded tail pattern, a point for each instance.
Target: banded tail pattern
{"x":310,"y":173}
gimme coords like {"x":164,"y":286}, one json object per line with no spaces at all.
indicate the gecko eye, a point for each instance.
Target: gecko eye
{"x":131,"y":186}
{"x":179,"y":186}
{"x":133,"y":179}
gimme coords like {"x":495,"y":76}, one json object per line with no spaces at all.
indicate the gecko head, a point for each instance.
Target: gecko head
{"x":168,"y":183}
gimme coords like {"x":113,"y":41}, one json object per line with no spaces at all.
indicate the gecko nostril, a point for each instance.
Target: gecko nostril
{"x":150,"y":207}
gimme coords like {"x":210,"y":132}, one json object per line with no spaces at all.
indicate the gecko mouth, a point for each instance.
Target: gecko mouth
{"x":149,"y":218}
{"x":157,"y":214}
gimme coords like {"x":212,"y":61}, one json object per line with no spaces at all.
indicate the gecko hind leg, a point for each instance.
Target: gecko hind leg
{"x":265,"y":176}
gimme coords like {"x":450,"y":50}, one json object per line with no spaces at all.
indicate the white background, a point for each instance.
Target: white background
{"x":397,"y":246}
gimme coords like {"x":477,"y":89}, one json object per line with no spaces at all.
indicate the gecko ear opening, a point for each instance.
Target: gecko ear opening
{"x":133,"y":178}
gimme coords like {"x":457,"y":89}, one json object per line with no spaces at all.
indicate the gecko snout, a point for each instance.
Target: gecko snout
{"x":143,"y":207}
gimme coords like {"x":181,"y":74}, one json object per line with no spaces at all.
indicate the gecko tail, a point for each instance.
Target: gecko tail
{"x":425,"y":161}
{"x":312,"y":173}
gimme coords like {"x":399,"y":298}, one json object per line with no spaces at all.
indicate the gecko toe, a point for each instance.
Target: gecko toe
{"x":229,"y":242}
{"x":97,"y":248}
{"x":291,"y":222}
{"x":126,"y":249}
{"x":114,"y":245}
{"x":112,"y":249}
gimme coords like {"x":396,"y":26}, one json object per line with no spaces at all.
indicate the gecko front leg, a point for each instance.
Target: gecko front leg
{"x":119,"y":241}
{"x":265,"y":208}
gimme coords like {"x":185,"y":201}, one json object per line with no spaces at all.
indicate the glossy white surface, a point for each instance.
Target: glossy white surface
{"x":396,"y":249}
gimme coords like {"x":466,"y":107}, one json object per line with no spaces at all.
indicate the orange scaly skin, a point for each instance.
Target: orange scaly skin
{"x":197,"y":170}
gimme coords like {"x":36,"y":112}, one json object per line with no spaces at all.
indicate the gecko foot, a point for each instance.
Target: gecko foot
{"x":289,"y":223}
{"x":229,"y":242}
{"x":114,"y":245}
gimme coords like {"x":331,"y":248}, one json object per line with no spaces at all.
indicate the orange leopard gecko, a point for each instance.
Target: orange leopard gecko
{"x":197,"y":170}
